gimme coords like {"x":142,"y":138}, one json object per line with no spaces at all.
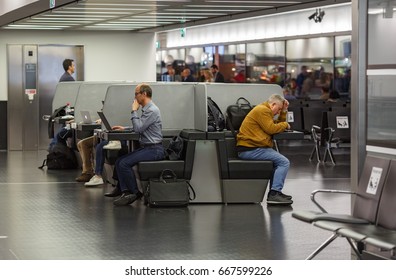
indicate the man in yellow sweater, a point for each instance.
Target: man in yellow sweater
{"x":254,"y":142}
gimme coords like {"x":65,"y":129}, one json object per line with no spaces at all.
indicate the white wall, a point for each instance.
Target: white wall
{"x":107,"y":55}
{"x":337,"y":19}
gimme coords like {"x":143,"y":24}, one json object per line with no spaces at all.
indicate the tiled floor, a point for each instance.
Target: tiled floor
{"x":47,"y":215}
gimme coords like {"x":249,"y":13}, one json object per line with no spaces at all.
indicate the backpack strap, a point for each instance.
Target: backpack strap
{"x":44,"y":164}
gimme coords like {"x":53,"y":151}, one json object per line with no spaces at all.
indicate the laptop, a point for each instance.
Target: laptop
{"x":108,"y":126}
{"x":86,"y":117}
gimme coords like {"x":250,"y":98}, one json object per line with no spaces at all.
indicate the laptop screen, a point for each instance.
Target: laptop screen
{"x":104,"y":121}
{"x":86,"y":117}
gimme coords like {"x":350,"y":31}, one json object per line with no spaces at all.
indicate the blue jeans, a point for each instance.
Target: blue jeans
{"x":123,"y":166}
{"x":281,"y":164}
{"x":100,"y":157}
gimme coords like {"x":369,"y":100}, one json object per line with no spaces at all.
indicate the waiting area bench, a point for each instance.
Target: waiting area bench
{"x":371,"y":228}
{"x":243,"y":181}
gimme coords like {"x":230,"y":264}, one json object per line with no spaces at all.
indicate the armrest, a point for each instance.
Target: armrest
{"x":313,"y":194}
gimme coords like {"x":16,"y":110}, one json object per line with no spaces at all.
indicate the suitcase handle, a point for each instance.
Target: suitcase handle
{"x":244,"y":103}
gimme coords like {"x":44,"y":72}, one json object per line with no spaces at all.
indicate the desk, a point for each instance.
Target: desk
{"x":287,"y":135}
{"x":86,"y":130}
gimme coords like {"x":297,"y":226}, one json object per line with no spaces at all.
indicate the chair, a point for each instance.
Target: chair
{"x":338,"y":131}
{"x":243,"y":181}
{"x":365,"y":208}
{"x":316,"y":134}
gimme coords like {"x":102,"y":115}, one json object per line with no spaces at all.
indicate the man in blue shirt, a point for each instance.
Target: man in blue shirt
{"x":149,"y":127}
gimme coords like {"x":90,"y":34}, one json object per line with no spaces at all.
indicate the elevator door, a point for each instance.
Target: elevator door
{"x":33,"y":73}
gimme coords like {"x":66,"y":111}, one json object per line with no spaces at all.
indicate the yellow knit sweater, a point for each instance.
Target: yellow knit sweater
{"x":259,"y":126}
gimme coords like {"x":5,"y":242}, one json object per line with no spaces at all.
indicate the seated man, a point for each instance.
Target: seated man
{"x":254,"y":142}
{"x":149,"y":127}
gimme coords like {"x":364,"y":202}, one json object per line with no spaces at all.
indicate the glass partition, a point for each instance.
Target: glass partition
{"x":342,"y":65}
{"x":381,"y":77}
{"x":172,"y":63}
{"x":265,"y":62}
{"x":313,"y":59}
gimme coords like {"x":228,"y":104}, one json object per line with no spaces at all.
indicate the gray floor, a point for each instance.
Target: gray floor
{"x":47,"y":215}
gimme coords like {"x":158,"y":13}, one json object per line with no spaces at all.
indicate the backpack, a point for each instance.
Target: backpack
{"x":216,"y":120}
{"x":60,"y":157}
{"x":59,"y":112}
{"x":175,"y":148}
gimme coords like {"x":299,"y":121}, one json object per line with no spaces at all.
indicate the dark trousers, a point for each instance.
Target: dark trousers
{"x":123,"y":166}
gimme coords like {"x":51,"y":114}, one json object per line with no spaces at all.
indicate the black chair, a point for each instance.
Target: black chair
{"x":243,"y":181}
{"x":338,"y":131}
{"x":182,"y":167}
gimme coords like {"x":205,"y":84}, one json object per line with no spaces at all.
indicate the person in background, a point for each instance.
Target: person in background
{"x":64,"y":133}
{"x":169,"y":75}
{"x":287,"y":93}
{"x":334,"y":96}
{"x":325,"y":94}
{"x":70,"y":67}
{"x":217,"y":76}
{"x":240,"y":77}
{"x":208,"y":76}
{"x":149,"y":127}
{"x":254,"y":142}
{"x":186,"y":75}
{"x":300,"y":79}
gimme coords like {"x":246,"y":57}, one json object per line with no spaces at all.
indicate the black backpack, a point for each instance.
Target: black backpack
{"x":60,"y":157}
{"x":175,"y":148}
{"x":216,"y":120}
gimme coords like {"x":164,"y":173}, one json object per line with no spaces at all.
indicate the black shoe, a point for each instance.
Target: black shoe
{"x":127,"y":198}
{"x":277,"y":198}
{"x":285,"y":195}
{"x":116,"y":192}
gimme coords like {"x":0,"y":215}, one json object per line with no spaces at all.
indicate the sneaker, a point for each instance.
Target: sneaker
{"x":95,"y":180}
{"x":113,"y":145}
{"x":285,"y":195}
{"x":277,"y":198}
{"x":84,"y":177}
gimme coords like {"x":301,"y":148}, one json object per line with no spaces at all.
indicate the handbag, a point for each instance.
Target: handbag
{"x":168,"y":190}
{"x":236,"y":113}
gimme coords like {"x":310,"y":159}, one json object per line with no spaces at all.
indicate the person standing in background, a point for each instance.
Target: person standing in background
{"x":217,"y":76}
{"x":70,"y":67}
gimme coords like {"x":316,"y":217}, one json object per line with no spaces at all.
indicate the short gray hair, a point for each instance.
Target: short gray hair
{"x":276,"y":98}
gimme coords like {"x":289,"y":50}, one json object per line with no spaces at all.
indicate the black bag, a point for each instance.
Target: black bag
{"x":60,"y":157}
{"x":216,"y":120}
{"x":237,"y":112}
{"x":167,"y":190}
{"x":175,"y":148}
{"x":59,"y":112}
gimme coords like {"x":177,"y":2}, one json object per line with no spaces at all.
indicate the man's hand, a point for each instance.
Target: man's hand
{"x":118,"y":127}
{"x":135,"y":105}
{"x":285,"y":105}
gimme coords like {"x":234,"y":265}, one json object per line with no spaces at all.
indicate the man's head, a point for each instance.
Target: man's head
{"x":186,"y":72}
{"x":143,"y":94}
{"x":214,"y":68}
{"x":276,"y":102}
{"x":68,"y":65}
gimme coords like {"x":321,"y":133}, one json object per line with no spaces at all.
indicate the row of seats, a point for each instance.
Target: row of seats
{"x":303,"y":116}
{"x":242,"y":181}
{"x":371,"y":228}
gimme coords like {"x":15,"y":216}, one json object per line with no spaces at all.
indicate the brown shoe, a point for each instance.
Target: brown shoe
{"x":84,"y":177}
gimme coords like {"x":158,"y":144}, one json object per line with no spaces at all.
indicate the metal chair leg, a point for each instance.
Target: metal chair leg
{"x":322,"y":246}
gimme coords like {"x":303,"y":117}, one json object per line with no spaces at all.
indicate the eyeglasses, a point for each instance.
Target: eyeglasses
{"x":137,"y":93}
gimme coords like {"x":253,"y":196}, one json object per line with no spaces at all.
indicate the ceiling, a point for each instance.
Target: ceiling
{"x":143,"y":15}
